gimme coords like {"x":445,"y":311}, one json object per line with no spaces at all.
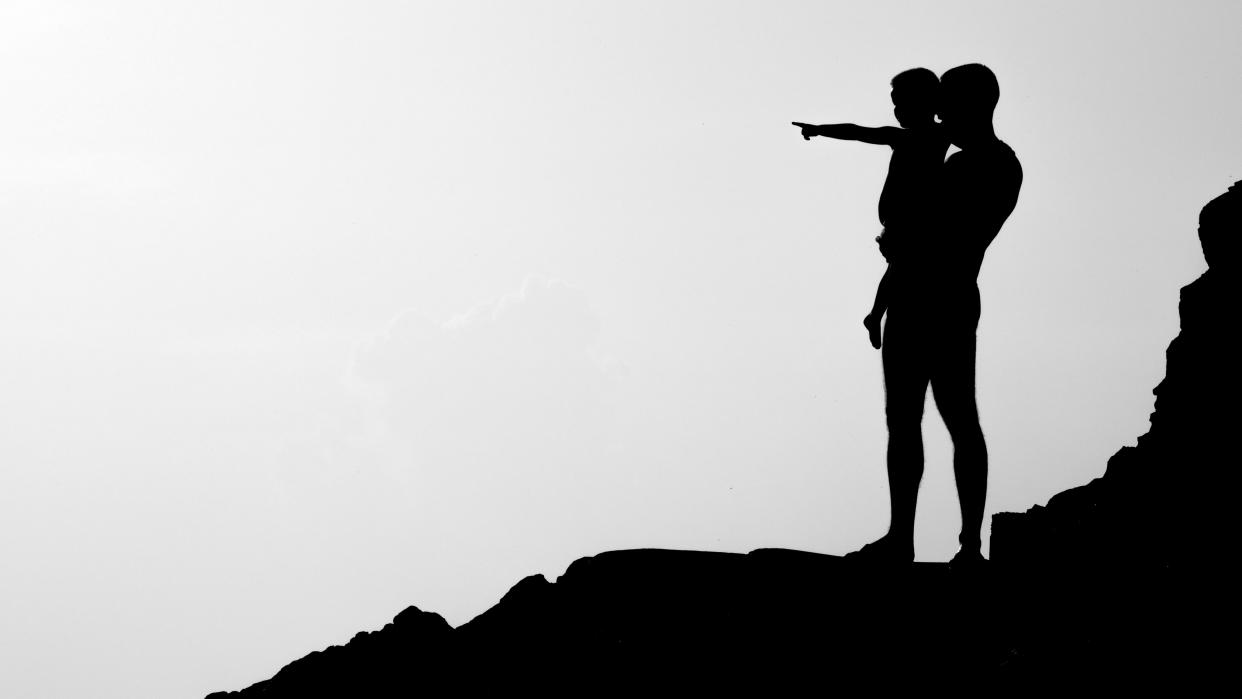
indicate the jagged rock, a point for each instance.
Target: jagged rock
{"x":1146,"y":547}
{"x":1163,"y":502}
{"x":370,"y":665}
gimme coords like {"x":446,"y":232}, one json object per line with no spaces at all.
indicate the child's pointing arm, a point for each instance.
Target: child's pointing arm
{"x":880,"y":136}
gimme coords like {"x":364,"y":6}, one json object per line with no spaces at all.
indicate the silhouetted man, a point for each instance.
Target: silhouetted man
{"x":929,"y":337}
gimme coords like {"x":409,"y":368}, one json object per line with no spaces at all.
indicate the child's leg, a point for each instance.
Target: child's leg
{"x":872,"y":321}
{"x":881,"y":296}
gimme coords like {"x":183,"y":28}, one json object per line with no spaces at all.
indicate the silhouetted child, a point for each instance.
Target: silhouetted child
{"x":906,"y":201}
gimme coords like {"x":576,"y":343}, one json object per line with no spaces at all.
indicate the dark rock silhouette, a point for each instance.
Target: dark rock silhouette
{"x":682,"y":621}
{"x":368,"y":666}
{"x":1120,"y":583}
{"x":1151,"y":538}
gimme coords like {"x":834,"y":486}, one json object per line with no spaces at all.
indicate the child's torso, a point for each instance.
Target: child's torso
{"x":913,"y":170}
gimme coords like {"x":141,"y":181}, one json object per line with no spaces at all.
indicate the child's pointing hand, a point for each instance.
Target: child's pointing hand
{"x":808,"y":130}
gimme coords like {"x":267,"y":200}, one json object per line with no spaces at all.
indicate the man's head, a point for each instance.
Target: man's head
{"x":968,"y":96}
{"x":914,"y":97}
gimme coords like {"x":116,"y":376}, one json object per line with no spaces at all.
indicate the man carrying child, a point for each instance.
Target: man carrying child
{"x":933,"y":310}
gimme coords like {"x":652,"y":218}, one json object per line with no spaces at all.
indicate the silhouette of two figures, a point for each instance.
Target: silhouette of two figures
{"x":938,"y":218}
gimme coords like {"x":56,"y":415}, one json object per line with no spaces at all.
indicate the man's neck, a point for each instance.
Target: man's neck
{"x":980,"y":137}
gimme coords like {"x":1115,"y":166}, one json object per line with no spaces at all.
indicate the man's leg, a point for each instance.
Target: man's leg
{"x":953,"y":386}
{"x":905,"y":391}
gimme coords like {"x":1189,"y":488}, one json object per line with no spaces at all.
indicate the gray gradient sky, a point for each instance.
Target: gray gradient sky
{"x":310,"y":311}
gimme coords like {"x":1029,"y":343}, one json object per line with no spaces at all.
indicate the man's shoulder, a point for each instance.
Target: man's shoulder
{"x":1004,"y":152}
{"x":1000,"y":154}
{"x":992,"y":150}
{"x":994,"y":156}
{"x":1008,"y":159}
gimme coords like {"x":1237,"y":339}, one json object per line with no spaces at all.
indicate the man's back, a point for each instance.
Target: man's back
{"x":979,"y":189}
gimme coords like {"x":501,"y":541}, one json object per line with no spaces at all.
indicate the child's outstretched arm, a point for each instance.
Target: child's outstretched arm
{"x":880,"y":135}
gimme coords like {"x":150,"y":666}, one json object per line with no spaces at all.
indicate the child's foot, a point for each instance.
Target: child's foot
{"x":872,"y":323}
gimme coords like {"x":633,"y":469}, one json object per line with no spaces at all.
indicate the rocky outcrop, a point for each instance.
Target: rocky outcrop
{"x":1163,"y":506}
{"x":368,"y":666}
{"x":1142,"y":554}
{"x":1120,"y":583}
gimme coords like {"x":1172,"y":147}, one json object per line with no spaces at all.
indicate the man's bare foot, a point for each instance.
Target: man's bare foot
{"x":967,"y":559}
{"x":883,"y":551}
{"x":872,"y":323}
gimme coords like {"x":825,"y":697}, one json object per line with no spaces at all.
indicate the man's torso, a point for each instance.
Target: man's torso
{"x":978,"y":189}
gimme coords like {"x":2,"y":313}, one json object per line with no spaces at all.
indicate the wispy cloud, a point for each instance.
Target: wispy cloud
{"x":519,"y":380}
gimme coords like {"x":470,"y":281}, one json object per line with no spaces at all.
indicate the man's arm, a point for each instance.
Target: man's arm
{"x":979,"y":192}
{"x":880,"y":136}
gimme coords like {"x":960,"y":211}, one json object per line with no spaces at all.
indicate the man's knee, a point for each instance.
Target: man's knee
{"x":959,"y":412}
{"x":967,"y":435}
{"x":903,"y":418}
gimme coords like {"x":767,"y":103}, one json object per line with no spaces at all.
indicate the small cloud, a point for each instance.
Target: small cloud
{"x":517,"y":380}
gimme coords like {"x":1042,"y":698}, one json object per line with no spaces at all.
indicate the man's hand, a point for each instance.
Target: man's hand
{"x":808,"y":130}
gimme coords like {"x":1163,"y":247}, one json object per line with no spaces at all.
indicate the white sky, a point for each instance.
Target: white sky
{"x":313,"y":310}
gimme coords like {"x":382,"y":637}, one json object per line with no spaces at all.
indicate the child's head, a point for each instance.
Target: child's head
{"x":914,"y":97}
